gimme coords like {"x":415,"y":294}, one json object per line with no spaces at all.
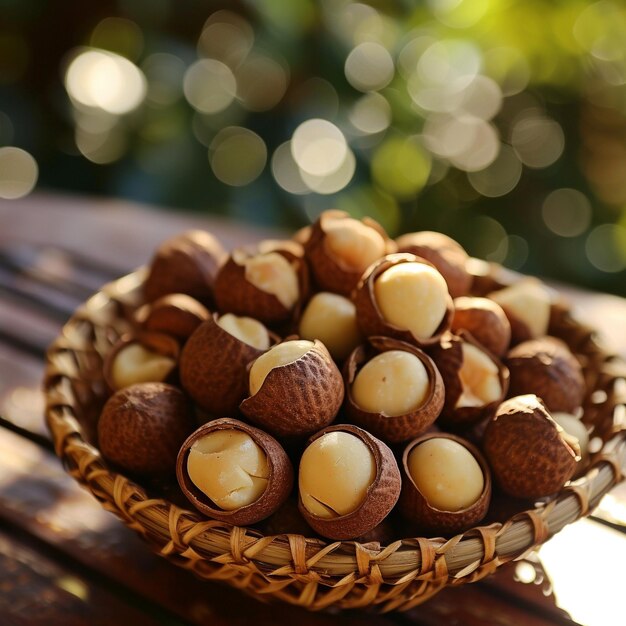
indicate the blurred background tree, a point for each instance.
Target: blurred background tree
{"x":499,"y":122}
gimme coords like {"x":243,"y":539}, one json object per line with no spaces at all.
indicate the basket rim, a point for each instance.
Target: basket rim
{"x":468,"y":556}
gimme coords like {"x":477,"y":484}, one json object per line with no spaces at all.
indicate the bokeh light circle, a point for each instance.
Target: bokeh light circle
{"x":606,"y":247}
{"x":318,"y":147}
{"x":566,"y":212}
{"x":18,"y":173}
{"x":369,"y":67}
{"x":237,"y":156}
{"x":538,"y":141}
{"x":209,"y":86}
{"x":500,"y":177}
{"x":286,"y":171}
{"x":104,"y":80}
{"x":370,"y":114}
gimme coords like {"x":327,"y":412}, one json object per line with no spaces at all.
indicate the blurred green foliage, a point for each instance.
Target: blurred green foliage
{"x":499,"y":122}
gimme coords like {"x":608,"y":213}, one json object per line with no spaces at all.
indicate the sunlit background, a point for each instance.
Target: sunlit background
{"x":500,"y":122}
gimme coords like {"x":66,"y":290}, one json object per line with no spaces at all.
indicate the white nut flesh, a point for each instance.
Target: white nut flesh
{"x":413,"y":297}
{"x":246,"y":329}
{"x":335,"y":473}
{"x":479,"y":378}
{"x":229,"y":468}
{"x":574,"y":428}
{"x":331,"y":318}
{"x":273,"y":274}
{"x":281,"y":354}
{"x":446,"y":473}
{"x":392,"y":383}
{"x":529,"y":302}
{"x":353,"y":243}
{"x":136,"y":364}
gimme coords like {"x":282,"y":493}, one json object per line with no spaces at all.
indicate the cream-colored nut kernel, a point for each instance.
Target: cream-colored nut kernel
{"x":392,"y":383}
{"x":479,"y":378}
{"x":574,"y":428}
{"x":229,"y":468}
{"x":413,"y":297}
{"x":529,"y":301}
{"x":354,"y":243}
{"x":446,"y":473}
{"x":281,"y":354}
{"x":272,"y":273}
{"x":136,"y":364}
{"x":331,"y":318}
{"x":336,"y":471}
{"x":246,"y":329}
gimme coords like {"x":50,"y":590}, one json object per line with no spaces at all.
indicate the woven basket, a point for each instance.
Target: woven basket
{"x":291,"y":568}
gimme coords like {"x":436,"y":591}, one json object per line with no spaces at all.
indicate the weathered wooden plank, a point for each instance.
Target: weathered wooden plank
{"x":37,"y":590}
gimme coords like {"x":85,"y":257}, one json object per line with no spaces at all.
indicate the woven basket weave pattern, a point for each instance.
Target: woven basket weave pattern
{"x":292,"y":568}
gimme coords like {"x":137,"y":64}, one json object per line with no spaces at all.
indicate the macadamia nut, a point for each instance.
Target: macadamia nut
{"x":229,"y":468}
{"x":331,"y":318}
{"x":246,"y":329}
{"x":446,"y":473}
{"x":413,"y":297}
{"x":529,"y":302}
{"x":392,"y":383}
{"x":136,"y":364}
{"x":272,"y":273}
{"x":479,"y":377}
{"x":355,"y":244}
{"x":336,"y":471}
{"x":281,"y":354}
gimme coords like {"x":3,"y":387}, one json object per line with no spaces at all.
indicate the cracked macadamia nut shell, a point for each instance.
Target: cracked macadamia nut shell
{"x":415,"y":507}
{"x":279,"y":482}
{"x":331,"y":273}
{"x":175,"y":314}
{"x":547,"y":368}
{"x":526,"y":449}
{"x":143,"y":426}
{"x":158,"y":344}
{"x":369,"y":316}
{"x":444,"y":253}
{"x":186,"y":263}
{"x":485,"y":320}
{"x":213,"y":368}
{"x":298,"y":398}
{"x":379,"y":500}
{"x":398,"y":427}
{"x":234,"y":293}
{"x":448,"y":357}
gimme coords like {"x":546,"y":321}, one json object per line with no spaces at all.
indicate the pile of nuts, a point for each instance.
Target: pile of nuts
{"x":361,"y":361}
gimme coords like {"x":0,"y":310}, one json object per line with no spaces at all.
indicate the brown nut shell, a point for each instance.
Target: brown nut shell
{"x":186,"y":263}
{"x":448,"y":357}
{"x":298,"y":398}
{"x":380,"y":498}
{"x":414,"y":506}
{"x":213,"y":368}
{"x":526,"y":449}
{"x":279,"y":482}
{"x":547,"y":368}
{"x":235,"y":294}
{"x":329,"y":272}
{"x":485,"y":320}
{"x":396,"y":428}
{"x":448,"y":256}
{"x":142,"y":427}
{"x":159,"y":343}
{"x":370,"y":317}
{"x":175,"y":314}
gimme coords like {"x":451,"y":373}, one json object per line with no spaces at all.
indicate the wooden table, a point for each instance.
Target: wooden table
{"x":64,"y":560}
